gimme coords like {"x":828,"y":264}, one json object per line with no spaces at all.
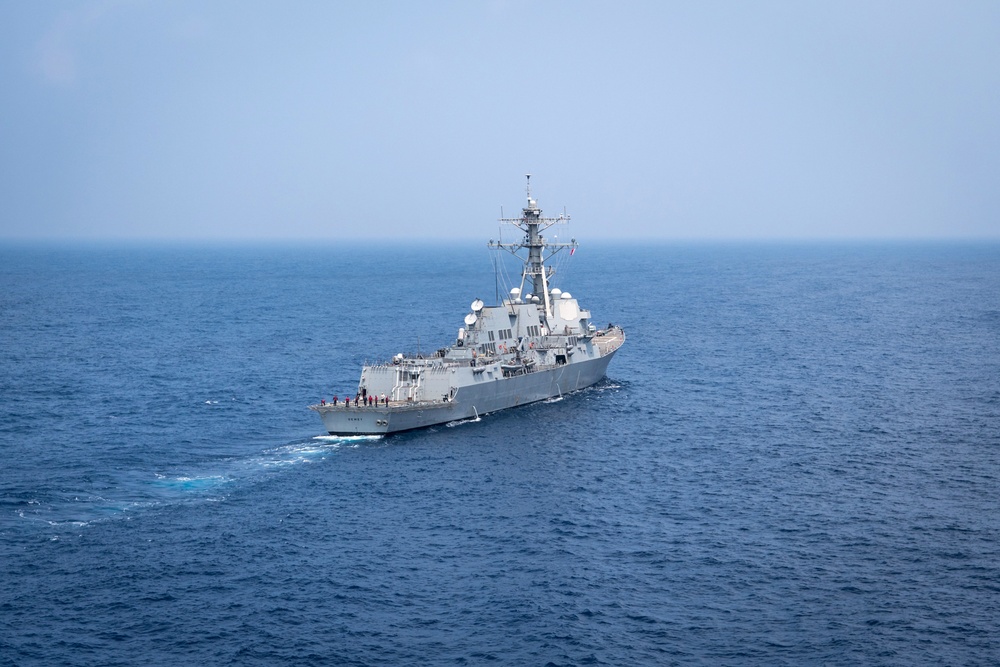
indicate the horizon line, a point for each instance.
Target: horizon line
{"x":330,"y":240}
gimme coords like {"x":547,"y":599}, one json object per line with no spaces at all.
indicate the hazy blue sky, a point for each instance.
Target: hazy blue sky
{"x":298,"y":120}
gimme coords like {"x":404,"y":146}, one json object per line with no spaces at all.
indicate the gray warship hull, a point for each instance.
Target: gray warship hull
{"x":534,"y":345}
{"x":489,"y":391}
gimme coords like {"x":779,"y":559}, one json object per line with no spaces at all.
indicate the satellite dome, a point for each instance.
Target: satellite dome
{"x":567,"y":295}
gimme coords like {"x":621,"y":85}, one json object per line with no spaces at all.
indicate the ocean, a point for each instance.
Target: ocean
{"x":794,"y":460}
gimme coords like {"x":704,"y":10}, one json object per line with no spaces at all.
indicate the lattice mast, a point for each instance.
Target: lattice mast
{"x":535,"y":269}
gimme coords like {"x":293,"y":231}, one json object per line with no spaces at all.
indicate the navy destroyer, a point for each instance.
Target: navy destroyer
{"x":538,"y":343}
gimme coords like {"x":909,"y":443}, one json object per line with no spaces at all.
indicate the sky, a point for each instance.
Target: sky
{"x":311,"y":121}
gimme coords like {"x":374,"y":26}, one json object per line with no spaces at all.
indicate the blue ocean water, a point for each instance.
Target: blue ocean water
{"x":794,"y":460}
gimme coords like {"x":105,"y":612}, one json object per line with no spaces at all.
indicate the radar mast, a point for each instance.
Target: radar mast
{"x":533,"y":224}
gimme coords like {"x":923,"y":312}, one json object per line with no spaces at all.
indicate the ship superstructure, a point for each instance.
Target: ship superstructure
{"x":536,"y":344}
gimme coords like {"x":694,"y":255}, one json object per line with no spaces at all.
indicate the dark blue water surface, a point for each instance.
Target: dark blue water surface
{"x":795,"y":459}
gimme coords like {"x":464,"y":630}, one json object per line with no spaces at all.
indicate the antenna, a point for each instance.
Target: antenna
{"x":496,"y":277}
{"x":495,"y":258}
{"x":528,"y":176}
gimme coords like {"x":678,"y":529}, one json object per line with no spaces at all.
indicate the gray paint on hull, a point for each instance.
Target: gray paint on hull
{"x":469,"y":402}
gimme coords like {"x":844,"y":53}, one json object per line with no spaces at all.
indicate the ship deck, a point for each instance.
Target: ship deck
{"x":394,"y":406}
{"x":609,"y":340}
